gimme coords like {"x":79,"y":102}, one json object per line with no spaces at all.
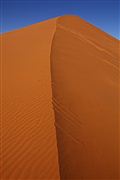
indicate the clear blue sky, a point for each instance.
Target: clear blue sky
{"x":16,"y":14}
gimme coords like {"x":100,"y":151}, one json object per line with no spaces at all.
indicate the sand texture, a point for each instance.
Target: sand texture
{"x":59,"y":113}
{"x":84,"y":67}
{"x":29,"y":150}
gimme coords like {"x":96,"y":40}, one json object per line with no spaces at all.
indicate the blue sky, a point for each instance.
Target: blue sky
{"x":16,"y":14}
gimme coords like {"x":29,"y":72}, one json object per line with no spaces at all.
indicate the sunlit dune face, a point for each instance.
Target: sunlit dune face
{"x":29,"y":139}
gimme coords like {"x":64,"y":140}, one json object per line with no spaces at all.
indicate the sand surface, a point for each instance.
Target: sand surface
{"x":72,"y":64}
{"x":84,"y":67}
{"x":29,"y":150}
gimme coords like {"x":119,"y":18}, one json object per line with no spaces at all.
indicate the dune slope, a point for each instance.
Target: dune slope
{"x":84,"y":69}
{"x":72,"y":63}
{"x":29,"y":148}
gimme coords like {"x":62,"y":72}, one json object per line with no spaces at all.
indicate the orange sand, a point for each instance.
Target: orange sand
{"x":85,"y":97}
{"x":29,"y":150}
{"x":84,"y":78}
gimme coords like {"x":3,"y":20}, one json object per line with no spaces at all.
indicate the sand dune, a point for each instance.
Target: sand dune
{"x":72,"y":63}
{"x":84,"y":67}
{"x":29,"y":140}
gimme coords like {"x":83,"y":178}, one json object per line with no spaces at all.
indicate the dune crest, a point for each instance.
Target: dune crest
{"x":73,"y":64}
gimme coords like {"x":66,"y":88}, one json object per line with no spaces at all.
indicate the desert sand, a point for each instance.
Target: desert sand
{"x":84,"y":67}
{"x":29,"y":149}
{"x":59,"y":102}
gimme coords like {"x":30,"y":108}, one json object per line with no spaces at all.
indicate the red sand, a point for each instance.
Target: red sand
{"x":84,"y":67}
{"x":84,"y":75}
{"x":29,"y":148}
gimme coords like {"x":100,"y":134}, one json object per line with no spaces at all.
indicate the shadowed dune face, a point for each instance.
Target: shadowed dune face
{"x":84,"y":69}
{"x":29,"y":148}
{"x":81,"y":63}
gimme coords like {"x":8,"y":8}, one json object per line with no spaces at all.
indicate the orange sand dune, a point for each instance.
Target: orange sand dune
{"x":29,"y":150}
{"x":75,"y":64}
{"x":84,"y":67}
